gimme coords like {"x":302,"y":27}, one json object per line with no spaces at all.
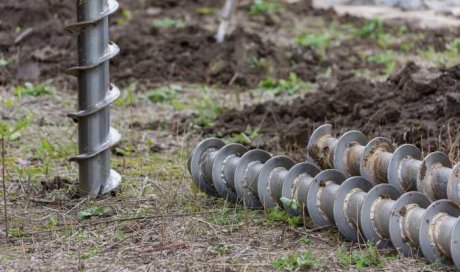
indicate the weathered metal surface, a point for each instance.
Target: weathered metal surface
{"x":380,"y":162}
{"x":362,"y":213}
{"x":271,"y":179}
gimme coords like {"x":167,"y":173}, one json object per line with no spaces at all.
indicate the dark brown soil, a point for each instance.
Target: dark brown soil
{"x":148,"y":54}
{"x":34,"y":40}
{"x":416,"y":105}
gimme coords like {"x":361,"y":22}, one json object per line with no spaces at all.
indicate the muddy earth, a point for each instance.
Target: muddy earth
{"x":38,"y":47}
{"x":416,"y":105}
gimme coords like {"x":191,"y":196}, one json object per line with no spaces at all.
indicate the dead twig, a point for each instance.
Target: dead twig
{"x":4,"y":188}
{"x":139,"y":218}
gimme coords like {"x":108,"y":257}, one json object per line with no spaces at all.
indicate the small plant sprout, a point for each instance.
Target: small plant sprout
{"x":264,"y":7}
{"x":371,"y":29}
{"x":319,"y":42}
{"x":297,"y":262}
{"x":10,"y":133}
{"x":4,"y":62}
{"x":203,"y":11}
{"x":169,"y":23}
{"x":29,"y":89}
{"x":93,"y":211}
{"x":206,"y":109}
{"x":246,"y":137}
{"x":368,"y":257}
{"x":126,"y":17}
{"x":278,"y":215}
{"x":305,"y":240}
{"x":291,"y":203}
{"x":165,"y":93}
{"x":128,"y":97}
{"x":387,"y":59}
{"x":222,"y":249}
{"x":446,"y":58}
{"x":291,"y":85}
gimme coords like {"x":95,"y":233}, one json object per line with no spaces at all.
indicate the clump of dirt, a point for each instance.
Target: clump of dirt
{"x":416,"y":105}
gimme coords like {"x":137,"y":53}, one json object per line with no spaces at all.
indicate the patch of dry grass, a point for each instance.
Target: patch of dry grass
{"x":156,"y":221}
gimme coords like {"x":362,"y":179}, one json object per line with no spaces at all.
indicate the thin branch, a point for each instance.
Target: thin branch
{"x":4,"y":188}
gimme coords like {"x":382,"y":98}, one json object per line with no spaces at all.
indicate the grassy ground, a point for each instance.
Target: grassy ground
{"x":157,"y":220}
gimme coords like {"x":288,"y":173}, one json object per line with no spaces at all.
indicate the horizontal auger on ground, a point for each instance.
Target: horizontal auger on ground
{"x":363,"y":212}
{"x":379,"y":161}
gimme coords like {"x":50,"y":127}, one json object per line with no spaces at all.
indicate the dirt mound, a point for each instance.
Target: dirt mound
{"x":416,"y":105}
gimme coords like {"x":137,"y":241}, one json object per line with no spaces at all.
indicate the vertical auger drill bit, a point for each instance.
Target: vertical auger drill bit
{"x":95,"y":94}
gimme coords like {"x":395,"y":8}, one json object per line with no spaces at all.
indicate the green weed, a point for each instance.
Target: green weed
{"x":319,"y":42}
{"x":93,"y":211}
{"x":371,"y":29}
{"x":278,"y":215}
{"x":49,"y":152}
{"x":304,"y":261}
{"x":305,"y":240}
{"x":126,"y":17}
{"x":360,"y":259}
{"x":205,"y":11}
{"x":89,"y":253}
{"x":261,"y":64}
{"x":120,"y":235}
{"x":375,"y":29}
{"x":445,"y":58}
{"x":264,"y":7}
{"x":17,"y":233}
{"x":386,"y":58}
{"x":291,"y":85}
{"x":165,"y":93}
{"x":192,"y":207}
{"x":292,"y":203}
{"x":169,"y":23}
{"x":4,"y":62}
{"x":222,"y":249}
{"x":29,"y":89}
{"x":206,"y":110}
{"x":247,"y":136}
{"x":128,"y":97}
{"x":12,"y":132}
{"x":228,"y":218}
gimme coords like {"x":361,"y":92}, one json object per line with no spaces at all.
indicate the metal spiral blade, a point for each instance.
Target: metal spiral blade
{"x":95,"y":95}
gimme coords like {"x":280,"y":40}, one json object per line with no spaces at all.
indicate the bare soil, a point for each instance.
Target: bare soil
{"x":416,"y":105}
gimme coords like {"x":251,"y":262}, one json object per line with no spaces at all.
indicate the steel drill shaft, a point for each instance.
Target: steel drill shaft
{"x":95,"y":94}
